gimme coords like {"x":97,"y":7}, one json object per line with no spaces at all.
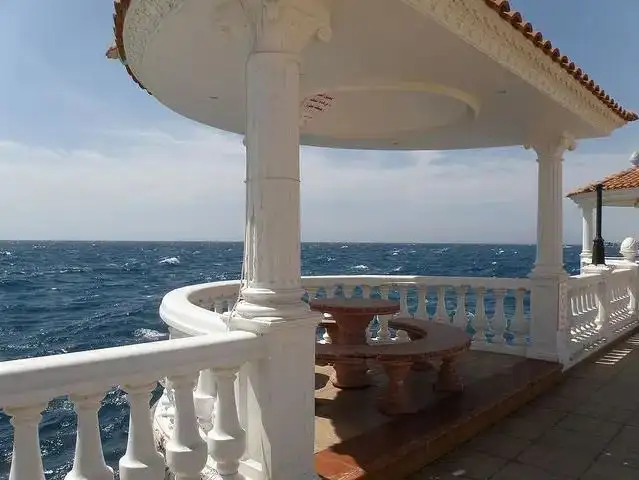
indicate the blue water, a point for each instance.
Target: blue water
{"x":58,"y":297}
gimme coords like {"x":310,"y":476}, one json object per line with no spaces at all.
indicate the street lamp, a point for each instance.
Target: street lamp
{"x":598,"y":247}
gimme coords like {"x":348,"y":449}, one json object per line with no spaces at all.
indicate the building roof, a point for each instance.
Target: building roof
{"x":625,"y":179}
{"x":501,"y":7}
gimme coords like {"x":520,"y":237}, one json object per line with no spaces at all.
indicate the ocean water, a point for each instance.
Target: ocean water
{"x":58,"y":297}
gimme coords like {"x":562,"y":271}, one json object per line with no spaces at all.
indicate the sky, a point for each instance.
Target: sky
{"x":86,"y":155}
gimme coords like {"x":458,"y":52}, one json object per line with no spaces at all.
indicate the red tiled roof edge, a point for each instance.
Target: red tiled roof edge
{"x":120,"y":8}
{"x":612,"y":182}
{"x":502,"y":7}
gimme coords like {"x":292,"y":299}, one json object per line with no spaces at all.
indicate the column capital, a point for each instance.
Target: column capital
{"x":552,"y":146}
{"x":287,"y":25}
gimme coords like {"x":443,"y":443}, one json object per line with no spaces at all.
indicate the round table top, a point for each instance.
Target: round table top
{"x":355,"y":306}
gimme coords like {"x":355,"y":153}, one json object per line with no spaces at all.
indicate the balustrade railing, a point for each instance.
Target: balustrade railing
{"x":602,"y":306}
{"x":495,"y":311}
{"x":209,"y":361}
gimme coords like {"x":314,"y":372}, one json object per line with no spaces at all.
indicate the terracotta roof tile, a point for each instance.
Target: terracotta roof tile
{"x":628,"y":178}
{"x":120,"y":8}
{"x":501,"y":7}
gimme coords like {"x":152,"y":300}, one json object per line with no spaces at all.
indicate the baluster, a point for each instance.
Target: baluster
{"x":348,"y":291}
{"x":26,"y":461}
{"x":401,"y":336}
{"x":330,"y":291}
{"x":218,"y":305}
{"x":498,"y":322}
{"x":88,"y":462}
{"x":369,"y":331}
{"x":480,"y":313}
{"x":227,"y":439}
{"x":403,"y":300}
{"x":422,"y":312}
{"x":518,"y":326}
{"x":312,"y":293}
{"x":366,"y":291}
{"x":383,"y":334}
{"x":461,"y":318}
{"x":441,"y":314}
{"x":204,"y":398}
{"x":141,"y":460}
{"x":185,"y":449}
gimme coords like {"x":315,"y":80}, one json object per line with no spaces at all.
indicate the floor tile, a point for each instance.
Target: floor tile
{"x":465,"y":464}
{"x":498,"y":444}
{"x":520,"y":471}
{"x":559,"y":461}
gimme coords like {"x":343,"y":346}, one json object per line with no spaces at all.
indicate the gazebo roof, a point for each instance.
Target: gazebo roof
{"x":492,"y":81}
{"x":619,"y":189}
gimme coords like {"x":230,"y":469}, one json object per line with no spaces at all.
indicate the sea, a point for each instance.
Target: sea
{"x":60,"y":297}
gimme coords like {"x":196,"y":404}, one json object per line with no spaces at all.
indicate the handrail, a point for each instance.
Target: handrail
{"x":418,"y":280}
{"x":180,"y":308}
{"x":38,"y":379}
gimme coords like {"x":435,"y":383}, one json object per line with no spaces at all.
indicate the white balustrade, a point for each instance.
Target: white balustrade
{"x":601,"y":308}
{"x":28,"y":385}
{"x":502,"y":328}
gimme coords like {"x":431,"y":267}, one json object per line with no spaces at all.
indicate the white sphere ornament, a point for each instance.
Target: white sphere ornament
{"x":634,"y":159}
{"x":628,"y":249}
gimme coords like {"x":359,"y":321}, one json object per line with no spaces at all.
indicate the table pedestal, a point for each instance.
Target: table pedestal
{"x":351,"y":373}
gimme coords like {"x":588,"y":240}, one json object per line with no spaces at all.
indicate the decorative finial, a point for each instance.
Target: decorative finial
{"x":634,"y":159}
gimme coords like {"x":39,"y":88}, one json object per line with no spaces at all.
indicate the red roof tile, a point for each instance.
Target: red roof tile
{"x":501,"y":7}
{"x":628,"y":178}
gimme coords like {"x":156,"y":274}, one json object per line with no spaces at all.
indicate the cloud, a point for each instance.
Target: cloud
{"x":187,"y":184}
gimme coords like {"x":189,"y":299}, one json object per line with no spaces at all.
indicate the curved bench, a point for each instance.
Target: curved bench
{"x":429,"y":341}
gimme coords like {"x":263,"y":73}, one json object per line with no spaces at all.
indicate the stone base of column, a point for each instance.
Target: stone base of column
{"x":280,"y":391}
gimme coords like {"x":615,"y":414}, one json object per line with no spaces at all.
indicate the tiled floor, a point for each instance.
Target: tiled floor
{"x":355,"y":442}
{"x":585,"y":428}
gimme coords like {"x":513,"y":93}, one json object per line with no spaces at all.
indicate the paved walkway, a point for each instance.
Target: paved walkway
{"x":586,"y":428}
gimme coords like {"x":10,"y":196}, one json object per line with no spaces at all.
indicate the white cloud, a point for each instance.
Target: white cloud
{"x":158,"y":185}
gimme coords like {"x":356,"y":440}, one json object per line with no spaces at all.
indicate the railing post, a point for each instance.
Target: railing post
{"x":549,"y":315}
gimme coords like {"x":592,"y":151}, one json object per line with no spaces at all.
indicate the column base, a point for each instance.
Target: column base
{"x":262,"y":310}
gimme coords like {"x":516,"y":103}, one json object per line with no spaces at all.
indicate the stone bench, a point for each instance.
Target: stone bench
{"x":430,"y":341}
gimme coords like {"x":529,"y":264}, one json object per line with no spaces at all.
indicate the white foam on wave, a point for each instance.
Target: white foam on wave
{"x":5,"y":253}
{"x":170,"y":261}
{"x":360,"y":267}
{"x":149,"y":334}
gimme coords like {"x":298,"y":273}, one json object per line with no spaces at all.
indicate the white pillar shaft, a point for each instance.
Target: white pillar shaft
{"x":550,"y":213}
{"x":587,"y":212}
{"x":273,"y":177}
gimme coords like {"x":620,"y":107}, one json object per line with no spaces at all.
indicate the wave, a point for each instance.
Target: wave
{"x":170,"y":261}
{"x":149,"y":334}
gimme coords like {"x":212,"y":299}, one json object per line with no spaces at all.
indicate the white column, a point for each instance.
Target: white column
{"x":587,"y":212}
{"x":280,"y":388}
{"x":548,"y":274}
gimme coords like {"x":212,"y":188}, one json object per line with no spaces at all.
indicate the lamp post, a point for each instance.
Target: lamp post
{"x":598,"y":248}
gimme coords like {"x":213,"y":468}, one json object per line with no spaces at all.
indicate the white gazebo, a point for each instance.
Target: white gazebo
{"x":359,"y":74}
{"x":620,"y":189}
